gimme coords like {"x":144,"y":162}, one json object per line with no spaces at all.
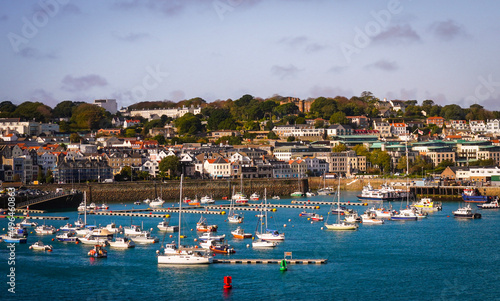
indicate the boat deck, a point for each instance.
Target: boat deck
{"x":270,"y":261}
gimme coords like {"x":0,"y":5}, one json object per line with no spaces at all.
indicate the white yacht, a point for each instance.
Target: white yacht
{"x":122,"y":243}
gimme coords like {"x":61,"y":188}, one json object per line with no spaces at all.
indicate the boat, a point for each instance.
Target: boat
{"x":147,"y":201}
{"x":156,"y":203}
{"x":98,"y":252}
{"x":369,"y":218}
{"x":103,"y":206}
{"x":254,"y":196}
{"x":133,"y":230}
{"x":68,"y":236}
{"x":381,"y":213}
{"x":27,"y":223}
{"x":70,"y":227}
{"x":239,"y":197}
{"x":263,"y":244}
{"x":164,"y":226}
{"x":40,"y":246}
{"x":240,"y":233}
{"x":383,"y":194}
{"x":297,"y":193}
{"x":137,"y":202}
{"x":233,"y":217}
{"x":269,"y":234}
{"x":207,"y":200}
{"x":90,"y":239}
{"x":466,"y":212}
{"x":340,"y":225}
{"x":122,"y":243}
{"x":317,"y":218}
{"x":352,"y":217}
{"x":102,"y":233}
{"x":43,"y":229}
{"x":202,"y":226}
{"x":404,"y":215}
{"x":306,"y":214}
{"x":211,"y":236}
{"x":491,"y":205}
{"x":325,"y":190}
{"x":310,"y":194}
{"x":221,"y":248}
{"x":145,"y":238}
{"x":112,"y":228}
{"x":179,"y":255}
{"x":276,"y":197}
{"x":472,"y":195}
{"x":14,"y":237}
{"x":426,"y":204}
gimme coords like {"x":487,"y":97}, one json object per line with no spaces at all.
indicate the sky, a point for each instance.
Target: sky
{"x":150,"y":50}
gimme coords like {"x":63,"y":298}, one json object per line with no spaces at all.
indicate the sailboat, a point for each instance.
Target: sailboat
{"x":340,"y":225}
{"x":179,"y":255}
{"x":157,"y":202}
{"x":325,"y":190}
{"x":406,"y":214}
{"x":260,"y":243}
{"x":240,"y":197}
{"x":269,"y":234}
{"x":234,"y":218}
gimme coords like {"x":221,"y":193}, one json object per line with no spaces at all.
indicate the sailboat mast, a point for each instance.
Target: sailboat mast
{"x":180,"y":210}
{"x":265,"y":202}
{"x":85,"y":207}
{"x":338,"y":202}
{"x":407,"y":171}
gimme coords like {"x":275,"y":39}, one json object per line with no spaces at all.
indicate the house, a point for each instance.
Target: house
{"x":217,"y":168}
{"x":338,"y":130}
{"x":359,"y":121}
{"x":439,"y":121}
{"x":398,"y":129}
{"x":477,"y":126}
{"x":131,"y":122}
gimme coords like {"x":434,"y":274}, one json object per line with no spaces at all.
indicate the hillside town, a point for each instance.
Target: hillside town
{"x":387,"y":143}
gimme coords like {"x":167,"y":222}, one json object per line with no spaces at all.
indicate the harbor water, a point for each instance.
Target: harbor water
{"x":436,"y":258}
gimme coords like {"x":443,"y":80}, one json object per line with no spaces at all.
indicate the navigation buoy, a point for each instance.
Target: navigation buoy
{"x":223,"y":212}
{"x":228,"y":282}
{"x":77,"y":242}
{"x":274,"y":209}
{"x":321,"y":228}
{"x":289,"y":219}
{"x":170,"y":236}
{"x":52,"y":239}
{"x":196,"y":239}
{"x":284,"y":225}
{"x":248,"y":245}
{"x":167,"y":216}
{"x":283,"y":265}
{"x":312,"y":222}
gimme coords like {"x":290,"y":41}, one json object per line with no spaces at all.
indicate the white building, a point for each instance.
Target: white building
{"x":217,"y":168}
{"x":107,"y":104}
{"x":477,"y":126}
{"x":493,"y":126}
{"x":172,"y":112}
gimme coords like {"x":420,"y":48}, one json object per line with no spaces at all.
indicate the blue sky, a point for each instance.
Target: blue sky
{"x":131,"y":50}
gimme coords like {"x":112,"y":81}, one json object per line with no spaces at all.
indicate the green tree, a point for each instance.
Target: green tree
{"x":231,"y":140}
{"x":290,"y":138}
{"x":74,"y":138}
{"x":160,"y":139}
{"x":300,"y":120}
{"x":41,"y":176}
{"x":63,"y":126}
{"x":130,"y":132}
{"x":88,"y":116}
{"x":49,"y":177}
{"x":339,"y":148}
{"x":381,"y":159}
{"x":272,"y":135}
{"x":33,"y":111}
{"x":65,"y":109}
{"x":170,"y":164}
{"x":188,"y":124}
{"x":318,"y":124}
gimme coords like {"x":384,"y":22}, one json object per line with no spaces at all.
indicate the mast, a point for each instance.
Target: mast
{"x":407,"y":171}
{"x":180,"y":207}
{"x":338,"y":202}
{"x":85,"y":207}
{"x":265,"y":202}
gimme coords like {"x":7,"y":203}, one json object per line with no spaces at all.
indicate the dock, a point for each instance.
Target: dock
{"x":330,"y":203}
{"x":270,"y":261}
{"x":33,"y":217}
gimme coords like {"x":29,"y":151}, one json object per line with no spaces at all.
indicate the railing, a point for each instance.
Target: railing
{"x":43,"y":198}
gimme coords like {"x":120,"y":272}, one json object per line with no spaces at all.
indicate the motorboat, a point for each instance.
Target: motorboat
{"x":210,"y":235}
{"x":103,"y":206}
{"x":404,"y":215}
{"x":306,"y":214}
{"x":263,"y":244}
{"x":297,"y":193}
{"x":381,"y":213}
{"x":133,"y":230}
{"x":43,"y":229}
{"x":369,"y":218}
{"x":122,"y":243}
{"x":70,"y":227}
{"x":254,"y":196}
{"x":239,"y":198}
{"x":202,"y":226}
{"x":137,"y":202}
{"x":98,"y":252}
{"x":145,"y":238}
{"x":472,"y":195}
{"x":13,"y":237}
{"x":491,"y":205}
{"x":326,"y":191}
{"x":426,"y":204}
{"x":164,"y":226}
{"x":235,"y":218}
{"x":310,"y":194}
{"x":112,"y":228}
{"x":221,"y":248}
{"x":317,"y":218}
{"x":156,"y":203}
{"x":276,"y":197}
{"x":102,"y":233}
{"x":384,"y":193}
{"x":85,"y":230}
{"x":352,"y":217}
{"x":207,"y":200}
{"x":27,"y":223}
{"x":179,"y":255}
{"x":90,"y":239}
{"x":68,"y":236}
{"x":466,"y":212}
{"x":40,"y":246}
{"x":240,"y":233}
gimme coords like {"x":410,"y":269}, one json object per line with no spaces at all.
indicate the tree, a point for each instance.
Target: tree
{"x":65,"y":109}
{"x":33,"y":111}
{"x":300,"y":120}
{"x":339,"y":117}
{"x":130,"y":133}
{"x":63,"y":126}
{"x":88,"y":116}
{"x":381,"y":159}
{"x":41,"y":176}
{"x":339,"y":148}
{"x":361,"y":150}
{"x":49,"y":177}
{"x":74,"y":138}
{"x":188,"y":124}
{"x":160,"y":139}
{"x":272,"y":135}
{"x":452,"y":112}
{"x":290,"y":138}
{"x":170,"y":164}
{"x":230,"y":140}
{"x":318,"y":124}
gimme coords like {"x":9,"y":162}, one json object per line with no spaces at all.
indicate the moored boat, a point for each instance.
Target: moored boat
{"x":240,"y":233}
{"x":202,"y":226}
{"x":491,"y":205}
{"x":98,"y":252}
{"x":427,"y":204}
{"x":472,"y":195}
{"x":40,"y":246}
{"x":68,"y":236}
{"x":466,"y":212}
{"x":122,"y":243}
{"x":43,"y":229}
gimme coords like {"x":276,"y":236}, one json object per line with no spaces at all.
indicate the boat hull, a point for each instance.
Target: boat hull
{"x":180,"y":259}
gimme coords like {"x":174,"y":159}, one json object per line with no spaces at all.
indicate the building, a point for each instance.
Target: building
{"x":169,"y":112}
{"x":107,"y":104}
{"x":217,"y":168}
{"x":338,"y":130}
{"x":439,"y":121}
{"x":81,"y":170}
{"x":15,"y":125}
{"x":359,"y":121}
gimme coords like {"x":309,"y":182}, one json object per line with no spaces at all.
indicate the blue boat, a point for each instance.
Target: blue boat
{"x":472,"y":195}
{"x":13,"y":237}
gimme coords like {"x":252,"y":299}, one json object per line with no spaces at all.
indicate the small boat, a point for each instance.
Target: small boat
{"x":235,"y":218}
{"x":210,"y":236}
{"x":70,"y":227}
{"x":297,"y":193}
{"x":369,"y":218}
{"x":263,"y":244}
{"x":40,"y":246}
{"x":27,"y":223}
{"x":145,"y":238}
{"x":381,"y":213}
{"x":102,"y":233}
{"x":326,"y":191}
{"x":164,"y":226}
{"x":472,"y":195}
{"x":491,"y":205}
{"x":254,"y":196}
{"x":340,"y":225}
{"x":90,"y":239}
{"x":466,"y":212}
{"x":427,"y":204}
{"x":317,"y":218}
{"x":122,"y":243}
{"x":207,"y":200}
{"x":68,"y":236}
{"x":310,"y":194}
{"x":276,"y":197}
{"x":404,"y":215}
{"x":147,"y":201}
{"x":240,"y":233}
{"x":133,"y":230}
{"x":137,"y":202}
{"x":103,"y":206}
{"x":156,"y":203}
{"x":112,"y":228}
{"x":221,"y":248}
{"x":352,"y":217}
{"x":13,"y":237}
{"x":98,"y":252}
{"x":269,"y":234}
{"x":306,"y":214}
{"x":202,"y":226}
{"x":43,"y":229}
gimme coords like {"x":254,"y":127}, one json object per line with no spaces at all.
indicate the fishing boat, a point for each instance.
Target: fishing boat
{"x":491,"y":205}
{"x":70,"y":227}
{"x":369,"y":218}
{"x":269,"y":234}
{"x":427,"y":204}
{"x":340,"y":225}
{"x":68,"y":236}
{"x":472,"y":195}
{"x":133,"y":230}
{"x":383,"y":194}
{"x":14,"y":237}
{"x":381,"y":213}
{"x":90,"y":239}
{"x":180,"y":255}
{"x":43,"y":229}
{"x":112,"y":228}
{"x":103,"y":206}
{"x":317,"y":218}
{"x":404,"y":215}
{"x":164,"y":226}
{"x":207,"y":200}
{"x":211,"y":236}
{"x":202,"y":226}
{"x":240,"y":233}
{"x":40,"y":246}
{"x":221,"y":248}
{"x":102,"y":233}
{"x":145,"y":238}
{"x":352,"y":217}
{"x":254,"y":196}
{"x":98,"y":252}
{"x":122,"y":243}
{"x":466,"y":212}
{"x":27,"y":223}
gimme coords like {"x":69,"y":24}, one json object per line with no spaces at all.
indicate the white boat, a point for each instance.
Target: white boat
{"x":180,"y":255}
{"x":40,"y":246}
{"x":102,"y":233}
{"x":490,"y":205}
{"x":325,"y":190}
{"x":164,"y":226}
{"x":269,"y":234}
{"x":381,"y":213}
{"x":276,"y":197}
{"x":466,"y":212}
{"x":352,"y":217}
{"x":254,"y":196}
{"x":310,"y":194}
{"x":404,"y":215}
{"x":240,"y":233}
{"x":145,"y":238}
{"x":339,"y":225}
{"x":211,"y":236}
{"x":103,"y":206}
{"x":68,"y":236}
{"x":263,"y":244}
{"x":14,"y":237}
{"x":133,"y":230}
{"x":156,"y":203}
{"x":112,"y":228}
{"x":43,"y":229}
{"x":207,"y":200}
{"x":239,"y":197}
{"x":426,"y":204}
{"x":122,"y":243}
{"x":384,"y":193}
{"x":90,"y":239}
{"x":233,"y":217}
{"x":69,"y":227}
{"x":27,"y":223}
{"x":147,"y":201}
{"x":369,"y":218}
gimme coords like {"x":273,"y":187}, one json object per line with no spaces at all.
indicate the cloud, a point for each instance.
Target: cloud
{"x":317,"y":91}
{"x":285,"y":72}
{"x":40,"y":95}
{"x":167,"y":7}
{"x":131,"y":37}
{"x":448,"y":30}
{"x":383,"y":65}
{"x":177,"y":95}
{"x":397,"y":34}
{"x":301,"y":42}
{"x":76,"y":84}
{"x":30,"y":52}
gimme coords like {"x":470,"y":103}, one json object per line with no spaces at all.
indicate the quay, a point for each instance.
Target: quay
{"x":328,"y":203}
{"x":57,"y":218}
{"x":269,"y":261}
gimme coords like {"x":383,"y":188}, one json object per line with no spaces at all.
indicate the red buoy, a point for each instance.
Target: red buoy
{"x":228,"y":282}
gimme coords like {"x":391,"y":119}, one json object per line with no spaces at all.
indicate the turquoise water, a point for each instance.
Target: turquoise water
{"x":438,"y":258}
